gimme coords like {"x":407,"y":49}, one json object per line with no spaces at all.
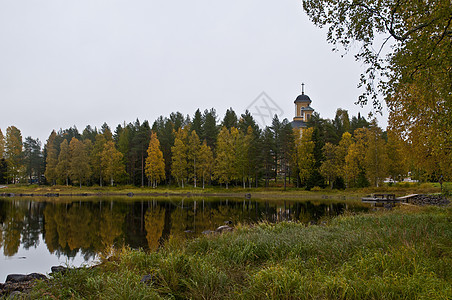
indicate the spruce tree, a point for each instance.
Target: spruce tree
{"x":197,"y":123}
{"x":210,"y":129}
{"x":230,"y":119}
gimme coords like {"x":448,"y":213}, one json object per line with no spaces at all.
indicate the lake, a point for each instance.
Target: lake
{"x":37,"y":233}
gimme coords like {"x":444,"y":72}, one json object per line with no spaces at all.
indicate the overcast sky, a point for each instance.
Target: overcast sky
{"x":65,"y":63}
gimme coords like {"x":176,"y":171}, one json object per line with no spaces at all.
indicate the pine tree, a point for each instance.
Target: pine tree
{"x":13,"y":152}
{"x":268,"y":154}
{"x":51,"y":159}
{"x":79,"y":163}
{"x":112,"y":166}
{"x":89,"y":133}
{"x":155,"y":165}
{"x":139,"y":146}
{"x":123,"y":144}
{"x":247,"y":126}
{"x":33,"y":158}
{"x":106,"y":131}
{"x":276,"y":129}
{"x":63,"y":166}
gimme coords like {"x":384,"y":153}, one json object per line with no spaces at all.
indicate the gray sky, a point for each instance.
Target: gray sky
{"x":65,"y":63}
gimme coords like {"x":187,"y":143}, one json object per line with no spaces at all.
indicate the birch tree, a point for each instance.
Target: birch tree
{"x":155,"y":164}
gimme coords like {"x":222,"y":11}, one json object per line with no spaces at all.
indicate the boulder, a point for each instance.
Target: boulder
{"x":16,"y":278}
{"x":147,"y":278}
{"x":37,"y":276}
{"x":224,"y":228}
{"x":58,"y":269}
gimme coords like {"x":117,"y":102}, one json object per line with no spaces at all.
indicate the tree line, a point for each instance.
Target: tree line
{"x":203,"y":150}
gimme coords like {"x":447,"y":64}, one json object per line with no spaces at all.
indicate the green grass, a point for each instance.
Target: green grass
{"x":402,"y":254}
{"x":399,"y":189}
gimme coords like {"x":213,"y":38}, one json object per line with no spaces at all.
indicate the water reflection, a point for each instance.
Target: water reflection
{"x":87,"y":227}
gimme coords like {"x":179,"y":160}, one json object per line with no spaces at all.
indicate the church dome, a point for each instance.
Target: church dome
{"x":303,"y":99}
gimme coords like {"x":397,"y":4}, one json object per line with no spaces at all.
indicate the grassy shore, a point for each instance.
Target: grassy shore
{"x":401,"y":254}
{"x":262,"y":193}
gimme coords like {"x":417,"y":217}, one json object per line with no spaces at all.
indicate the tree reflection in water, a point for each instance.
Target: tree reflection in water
{"x":90,"y":226}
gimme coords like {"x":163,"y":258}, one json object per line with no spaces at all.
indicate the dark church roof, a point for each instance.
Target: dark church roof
{"x":303,"y":98}
{"x":299,"y":124}
{"x":308,"y":108}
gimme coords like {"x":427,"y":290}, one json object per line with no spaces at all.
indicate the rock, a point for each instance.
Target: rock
{"x":37,"y":276}
{"x":16,"y":278}
{"x":223,"y":228}
{"x":58,"y":269}
{"x":189,"y":231}
{"x":206,"y":232}
{"x":429,"y":200}
{"x":229,"y":222}
{"x":147,"y":278}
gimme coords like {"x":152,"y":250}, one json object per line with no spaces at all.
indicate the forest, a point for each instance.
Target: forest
{"x":203,"y":150}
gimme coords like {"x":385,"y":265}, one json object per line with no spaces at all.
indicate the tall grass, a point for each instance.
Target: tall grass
{"x":405,"y":253}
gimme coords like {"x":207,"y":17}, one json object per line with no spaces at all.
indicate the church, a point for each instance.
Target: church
{"x":303,"y":110}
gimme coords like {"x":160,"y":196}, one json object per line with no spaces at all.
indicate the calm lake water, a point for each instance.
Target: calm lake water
{"x":36,"y":234}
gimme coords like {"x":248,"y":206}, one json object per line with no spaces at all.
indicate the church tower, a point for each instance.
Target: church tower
{"x":303,"y":110}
